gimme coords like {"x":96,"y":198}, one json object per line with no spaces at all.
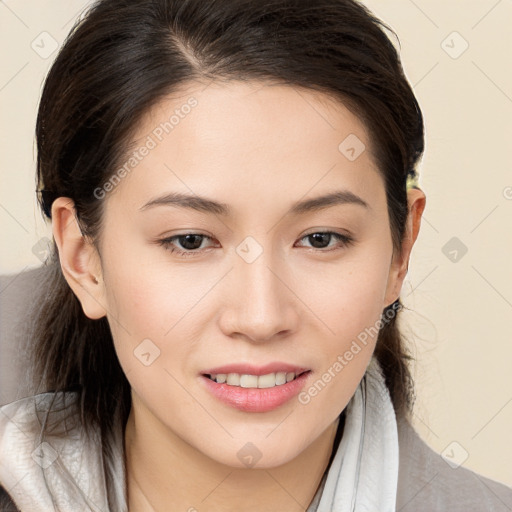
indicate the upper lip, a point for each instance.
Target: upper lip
{"x":251,"y":369}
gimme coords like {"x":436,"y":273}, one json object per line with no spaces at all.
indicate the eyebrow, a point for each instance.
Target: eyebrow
{"x":204,"y":204}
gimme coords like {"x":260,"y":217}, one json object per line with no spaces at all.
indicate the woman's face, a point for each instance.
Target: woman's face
{"x":254,"y":292}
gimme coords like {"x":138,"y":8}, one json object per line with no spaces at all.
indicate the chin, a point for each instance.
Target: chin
{"x":258,"y":454}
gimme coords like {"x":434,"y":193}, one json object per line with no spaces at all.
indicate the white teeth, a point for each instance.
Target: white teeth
{"x":254,"y":381}
{"x":233,"y":379}
{"x":280,"y":378}
{"x":267,"y":381}
{"x":248,"y":381}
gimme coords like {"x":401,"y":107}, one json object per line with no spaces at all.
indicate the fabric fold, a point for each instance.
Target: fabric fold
{"x":363,"y":476}
{"x":54,"y":472}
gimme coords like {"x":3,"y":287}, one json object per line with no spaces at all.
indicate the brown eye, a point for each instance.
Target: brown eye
{"x":189,"y":243}
{"x":320,"y":239}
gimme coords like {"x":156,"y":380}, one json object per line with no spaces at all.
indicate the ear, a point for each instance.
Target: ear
{"x":416,"y":204}
{"x":79,"y":259}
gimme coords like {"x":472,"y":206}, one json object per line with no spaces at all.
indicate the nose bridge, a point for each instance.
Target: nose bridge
{"x":261,"y":305}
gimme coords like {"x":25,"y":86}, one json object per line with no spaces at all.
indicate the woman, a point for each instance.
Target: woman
{"x":261,"y":368}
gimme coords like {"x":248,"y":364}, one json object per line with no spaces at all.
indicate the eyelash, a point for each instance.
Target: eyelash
{"x":166,"y":242}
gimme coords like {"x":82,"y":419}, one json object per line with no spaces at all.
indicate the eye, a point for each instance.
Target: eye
{"x":320,"y":238}
{"x":191,"y":242}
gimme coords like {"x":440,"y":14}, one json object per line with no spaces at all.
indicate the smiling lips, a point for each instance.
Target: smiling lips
{"x":268,"y":380}
{"x":255,"y":389}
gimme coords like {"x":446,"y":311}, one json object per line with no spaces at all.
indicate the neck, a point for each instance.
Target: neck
{"x":163,"y":472}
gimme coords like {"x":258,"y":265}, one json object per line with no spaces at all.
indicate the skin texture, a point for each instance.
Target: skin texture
{"x":258,"y":147}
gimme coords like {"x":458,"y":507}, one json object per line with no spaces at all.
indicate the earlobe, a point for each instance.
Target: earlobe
{"x":79,"y":259}
{"x":416,"y":204}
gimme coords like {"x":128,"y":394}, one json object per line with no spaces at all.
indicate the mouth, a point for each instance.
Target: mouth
{"x":255,"y":389}
{"x":250,"y":381}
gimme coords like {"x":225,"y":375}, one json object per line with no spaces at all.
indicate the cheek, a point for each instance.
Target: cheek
{"x":350,"y":304}
{"x":148,"y":319}
{"x":350,"y":297}
{"x":146,"y":293}
{"x":153,"y":312}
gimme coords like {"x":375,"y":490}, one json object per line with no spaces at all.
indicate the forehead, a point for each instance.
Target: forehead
{"x":241,"y":110}
{"x":256,"y":139}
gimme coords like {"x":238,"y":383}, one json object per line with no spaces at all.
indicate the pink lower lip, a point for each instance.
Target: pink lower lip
{"x":255,"y":399}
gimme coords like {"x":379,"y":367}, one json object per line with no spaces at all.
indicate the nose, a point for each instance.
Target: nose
{"x":261,"y":304}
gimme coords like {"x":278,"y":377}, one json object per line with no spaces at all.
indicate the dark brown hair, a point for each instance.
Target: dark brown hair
{"x":126,"y":55}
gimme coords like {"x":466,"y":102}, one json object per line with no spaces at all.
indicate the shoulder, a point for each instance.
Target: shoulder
{"x":24,"y":418}
{"x":19,"y":426}
{"x":427,"y":483}
{"x":46,"y":455}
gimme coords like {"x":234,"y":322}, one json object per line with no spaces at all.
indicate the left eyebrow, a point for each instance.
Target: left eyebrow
{"x":204,"y":204}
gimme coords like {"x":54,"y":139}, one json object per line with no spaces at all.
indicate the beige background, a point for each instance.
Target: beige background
{"x":460,"y":326}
